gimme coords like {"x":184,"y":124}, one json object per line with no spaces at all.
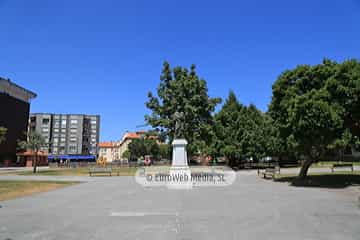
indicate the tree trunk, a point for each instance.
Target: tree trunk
{"x":35,"y":162}
{"x":305,"y":167}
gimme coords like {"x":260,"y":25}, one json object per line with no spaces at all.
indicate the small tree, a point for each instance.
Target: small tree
{"x":137,"y":148}
{"x":165,"y":151}
{"x":34,"y":143}
{"x":3,"y":132}
{"x":141,"y":147}
{"x":126,"y":155}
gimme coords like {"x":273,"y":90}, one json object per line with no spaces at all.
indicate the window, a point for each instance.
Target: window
{"x":73,"y":130}
{"x":62,"y":139}
{"x":73,"y":121}
{"x":45,"y":129}
{"x":45,"y":121}
{"x":72,"y":149}
{"x":63,"y":130}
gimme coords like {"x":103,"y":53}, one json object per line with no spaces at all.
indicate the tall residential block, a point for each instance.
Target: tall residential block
{"x":14,"y":107}
{"x":67,"y":133}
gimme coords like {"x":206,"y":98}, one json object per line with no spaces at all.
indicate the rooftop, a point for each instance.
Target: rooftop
{"x":107,"y":144}
{"x":67,"y":114}
{"x":16,"y":91}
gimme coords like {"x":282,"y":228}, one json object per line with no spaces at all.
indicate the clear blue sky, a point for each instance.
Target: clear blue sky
{"x":102,"y":57}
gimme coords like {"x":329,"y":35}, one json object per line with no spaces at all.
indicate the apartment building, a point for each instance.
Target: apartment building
{"x":72,"y":134}
{"x":127,"y":139}
{"x":109,"y":151}
{"x":130,"y":136}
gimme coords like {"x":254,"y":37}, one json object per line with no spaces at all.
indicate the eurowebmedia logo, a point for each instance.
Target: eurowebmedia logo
{"x":185,"y":176}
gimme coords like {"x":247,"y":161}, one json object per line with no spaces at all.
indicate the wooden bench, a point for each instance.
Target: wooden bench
{"x":100,"y":170}
{"x":342,"y":165}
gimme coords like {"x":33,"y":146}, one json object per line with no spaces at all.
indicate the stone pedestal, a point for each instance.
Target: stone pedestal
{"x":179,"y":157}
{"x":180,"y":170}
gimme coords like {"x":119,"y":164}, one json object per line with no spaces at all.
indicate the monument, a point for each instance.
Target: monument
{"x":179,"y":171}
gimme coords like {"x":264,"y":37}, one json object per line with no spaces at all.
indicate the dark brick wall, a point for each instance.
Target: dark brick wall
{"x":14,"y":116}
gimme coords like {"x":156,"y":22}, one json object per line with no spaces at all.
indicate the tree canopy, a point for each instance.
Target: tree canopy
{"x":314,"y":110}
{"x":243,"y":132}
{"x":182,"y":91}
{"x":314,"y":105}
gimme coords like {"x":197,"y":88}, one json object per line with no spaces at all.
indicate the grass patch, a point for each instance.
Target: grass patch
{"x":340,"y":179}
{"x":329,"y":164}
{"x":14,"y":189}
{"x":121,"y":171}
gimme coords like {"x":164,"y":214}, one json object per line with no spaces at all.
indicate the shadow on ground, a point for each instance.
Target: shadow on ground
{"x":323,"y":181}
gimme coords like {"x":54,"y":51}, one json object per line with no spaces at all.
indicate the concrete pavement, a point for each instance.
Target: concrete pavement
{"x":118,"y":208}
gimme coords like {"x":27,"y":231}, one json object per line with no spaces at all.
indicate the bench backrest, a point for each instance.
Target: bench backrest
{"x":342,"y":165}
{"x":100,"y":169}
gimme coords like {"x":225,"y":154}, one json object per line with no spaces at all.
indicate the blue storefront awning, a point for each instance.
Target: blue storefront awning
{"x":72,"y":157}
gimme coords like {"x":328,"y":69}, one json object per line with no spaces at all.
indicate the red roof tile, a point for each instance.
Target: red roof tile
{"x":106,"y":144}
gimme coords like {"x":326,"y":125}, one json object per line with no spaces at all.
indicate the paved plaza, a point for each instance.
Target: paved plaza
{"x":118,"y":208}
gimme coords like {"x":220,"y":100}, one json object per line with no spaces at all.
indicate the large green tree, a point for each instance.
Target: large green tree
{"x":182,"y":91}
{"x":243,"y":132}
{"x":315,"y":124}
{"x":314,"y":105}
{"x":226,"y":141}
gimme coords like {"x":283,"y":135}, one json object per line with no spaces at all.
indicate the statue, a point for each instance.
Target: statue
{"x":101,"y":161}
{"x":179,"y":124}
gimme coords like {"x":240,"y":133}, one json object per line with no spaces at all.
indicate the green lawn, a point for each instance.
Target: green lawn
{"x":123,"y":171}
{"x":329,"y":164}
{"x":14,"y":189}
{"x":339,"y":179}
